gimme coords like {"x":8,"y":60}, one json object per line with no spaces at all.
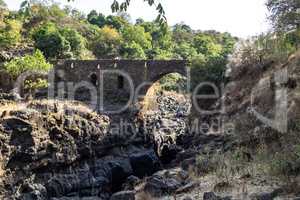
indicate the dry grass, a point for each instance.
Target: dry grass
{"x":149,"y":101}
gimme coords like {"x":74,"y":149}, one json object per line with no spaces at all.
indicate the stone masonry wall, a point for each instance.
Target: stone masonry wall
{"x":115,"y":74}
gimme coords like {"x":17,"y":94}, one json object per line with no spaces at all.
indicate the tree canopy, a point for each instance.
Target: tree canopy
{"x":285,"y":14}
{"x":2,"y":4}
{"x":67,"y":33}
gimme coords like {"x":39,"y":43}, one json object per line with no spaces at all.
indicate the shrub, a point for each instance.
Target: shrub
{"x":173,"y":82}
{"x":32,"y":85}
{"x":35,"y":62}
{"x":10,"y":35}
{"x":286,"y":163}
{"x":212,"y":71}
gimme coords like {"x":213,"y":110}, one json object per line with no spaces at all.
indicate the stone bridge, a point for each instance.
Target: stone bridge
{"x":117,"y":78}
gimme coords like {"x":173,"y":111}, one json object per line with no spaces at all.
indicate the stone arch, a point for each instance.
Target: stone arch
{"x":158,"y":70}
{"x":148,"y":94}
{"x":161,"y":75}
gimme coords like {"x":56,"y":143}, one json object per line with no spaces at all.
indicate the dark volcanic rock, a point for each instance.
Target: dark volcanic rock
{"x":67,"y":155}
{"x":213,"y":196}
{"x":144,"y":164}
{"x":168,"y":182}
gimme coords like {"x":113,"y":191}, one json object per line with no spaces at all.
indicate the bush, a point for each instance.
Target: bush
{"x":32,"y":85}
{"x":10,"y":35}
{"x":35,"y":62}
{"x":212,"y":71}
{"x":286,"y":163}
{"x":173,"y":82}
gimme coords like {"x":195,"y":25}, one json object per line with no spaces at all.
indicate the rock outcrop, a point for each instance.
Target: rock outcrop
{"x":47,"y":153}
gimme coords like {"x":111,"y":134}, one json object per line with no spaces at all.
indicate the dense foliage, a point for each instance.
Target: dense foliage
{"x":35,"y":62}
{"x":10,"y":33}
{"x":58,"y":42}
{"x":66,"y":33}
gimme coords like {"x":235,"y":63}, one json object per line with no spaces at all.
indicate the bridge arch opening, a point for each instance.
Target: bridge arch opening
{"x":169,"y":86}
{"x":165,"y":110}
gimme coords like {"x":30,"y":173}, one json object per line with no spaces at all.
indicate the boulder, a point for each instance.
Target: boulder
{"x":187,"y":198}
{"x":33,"y":192}
{"x":131,"y":182}
{"x":213,"y":196}
{"x":266,"y":195}
{"x":168,"y":182}
{"x":158,"y":186}
{"x":145,"y":163}
{"x":188,"y":187}
{"x":261,"y":196}
{"x":123,"y":195}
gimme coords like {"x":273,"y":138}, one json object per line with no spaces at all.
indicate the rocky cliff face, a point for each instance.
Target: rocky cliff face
{"x":62,"y":150}
{"x":262,"y":100}
{"x":47,"y":153}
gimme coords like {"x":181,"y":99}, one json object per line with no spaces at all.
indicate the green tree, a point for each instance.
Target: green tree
{"x":96,"y":19}
{"x":228,"y":42}
{"x":161,"y":35}
{"x":182,"y":33}
{"x":162,"y":43}
{"x":132,"y":51}
{"x":212,"y":71}
{"x":138,"y":35}
{"x":206,"y":45}
{"x":185,"y":50}
{"x":2,"y":4}
{"x":116,"y":22}
{"x":51,"y":42}
{"x":77,"y":42}
{"x":107,"y":43}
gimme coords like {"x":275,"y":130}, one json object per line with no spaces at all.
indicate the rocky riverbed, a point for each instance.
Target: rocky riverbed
{"x":63,"y":151}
